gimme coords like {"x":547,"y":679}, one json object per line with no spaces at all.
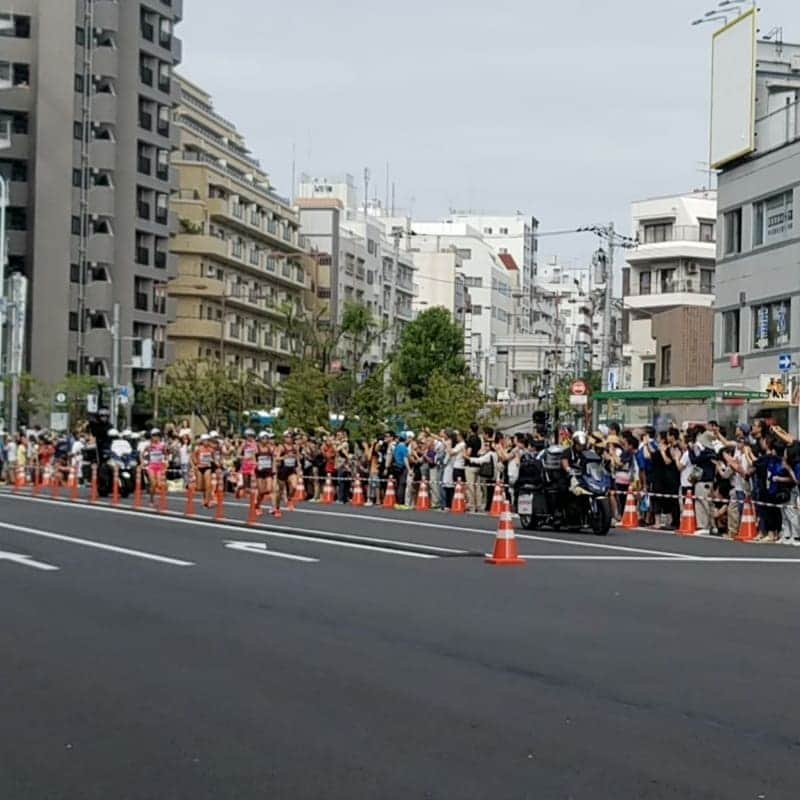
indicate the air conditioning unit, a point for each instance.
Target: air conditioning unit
{"x":691,"y":268}
{"x":211,"y":271}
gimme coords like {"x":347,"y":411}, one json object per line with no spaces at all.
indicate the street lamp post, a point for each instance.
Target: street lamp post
{"x":3,"y":259}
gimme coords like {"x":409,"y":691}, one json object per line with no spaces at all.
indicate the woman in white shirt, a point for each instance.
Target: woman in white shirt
{"x":453,"y":466}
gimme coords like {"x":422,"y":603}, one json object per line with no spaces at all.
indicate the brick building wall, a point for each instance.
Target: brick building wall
{"x":687,"y":332}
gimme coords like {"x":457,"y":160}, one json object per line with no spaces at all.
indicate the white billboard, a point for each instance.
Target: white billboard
{"x":733,"y":90}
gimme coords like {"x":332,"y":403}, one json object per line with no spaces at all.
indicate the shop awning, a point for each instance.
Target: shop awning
{"x":678,"y":393}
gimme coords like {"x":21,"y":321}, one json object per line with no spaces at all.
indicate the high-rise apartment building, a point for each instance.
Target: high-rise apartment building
{"x":242,"y":264}
{"x":672,"y":267}
{"x":86,"y":95}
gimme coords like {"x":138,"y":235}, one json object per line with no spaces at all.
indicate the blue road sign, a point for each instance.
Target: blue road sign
{"x":785,"y":362}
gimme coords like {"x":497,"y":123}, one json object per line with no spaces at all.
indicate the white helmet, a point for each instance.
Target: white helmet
{"x":579,"y":438}
{"x":204,"y":437}
{"x":155,"y":432}
{"x":249,"y":432}
{"x":263,"y":435}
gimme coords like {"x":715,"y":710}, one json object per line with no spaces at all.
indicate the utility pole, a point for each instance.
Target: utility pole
{"x":115,"y":359}
{"x":606,"y":351}
{"x":18,"y":291}
{"x":3,"y":247}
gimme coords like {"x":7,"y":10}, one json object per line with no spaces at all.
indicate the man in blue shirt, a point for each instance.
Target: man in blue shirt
{"x":400,"y":468}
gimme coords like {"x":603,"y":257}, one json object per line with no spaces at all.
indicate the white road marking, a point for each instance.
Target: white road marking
{"x":332,"y":539}
{"x":260,"y":548}
{"x":98,"y":545}
{"x":482,"y":532}
{"x":692,"y":559}
{"x":26,"y":561}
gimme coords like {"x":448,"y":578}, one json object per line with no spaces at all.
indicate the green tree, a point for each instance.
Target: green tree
{"x":33,"y":398}
{"x":212,"y":392}
{"x":305,"y":397}
{"x":450,"y":401}
{"x":433,"y":342}
{"x":370,"y":406}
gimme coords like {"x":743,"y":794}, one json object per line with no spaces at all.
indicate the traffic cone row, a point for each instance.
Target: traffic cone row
{"x":688,"y":526}
{"x":630,"y":518}
{"x":748,"y":529}
{"x":72,"y":483}
{"x":498,"y":500}
{"x":390,"y":499}
{"x":358,"y":493}
{"x":328,"y":493}
{"x":505,"y":552}
{"x":137,"y":489}
{"x":459,"y":505}
{"x":423,"y":497}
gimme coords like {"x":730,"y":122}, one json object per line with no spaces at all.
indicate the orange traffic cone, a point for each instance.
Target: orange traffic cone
{"x":189,"y":510}
{"x":37,"y":480}
{"x":252,"y":514}
{"x":55,"y":484}
{"x":162,"y":499}
{"x":93,"y":494}
{"x":358,"y":493}
{"x":389,"y":499}
{"x":72,"y":482}
{"x":300,"y":491}
{"x":115,"y":486}
{"x":459,"y":505}
{"x":328,"y":494}
{"x":219,"y":511}
{"x":423,"y":497}
{"x":748,"y":529}
{"x":19,"y":478}
{"x":630,"y":518}
{"x":505,"y":553}
{"x":137,"y":489}
{"x":688,"y":520}
{"x":498,"y":500}
{"x":46,"y":476}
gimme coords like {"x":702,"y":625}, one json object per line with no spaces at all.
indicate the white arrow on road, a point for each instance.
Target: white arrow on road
{"x":261,"y":549}
{"x":27,"y":561}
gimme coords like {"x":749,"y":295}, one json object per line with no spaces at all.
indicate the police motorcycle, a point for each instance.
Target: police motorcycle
{"x":550,"y":497}
{"x":122,"y":456}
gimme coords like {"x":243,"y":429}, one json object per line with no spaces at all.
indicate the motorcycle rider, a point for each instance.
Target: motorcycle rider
{"x":573,"y":459}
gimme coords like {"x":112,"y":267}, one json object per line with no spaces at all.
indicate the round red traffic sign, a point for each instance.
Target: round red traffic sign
{"x":579,"y":387}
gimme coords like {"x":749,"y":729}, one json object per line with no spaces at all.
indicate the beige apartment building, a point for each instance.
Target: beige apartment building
{"x":241,"y":260}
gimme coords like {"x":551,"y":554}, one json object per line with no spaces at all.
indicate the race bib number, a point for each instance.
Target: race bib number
{"x":265,"y":462}
{"x":289,"y":461}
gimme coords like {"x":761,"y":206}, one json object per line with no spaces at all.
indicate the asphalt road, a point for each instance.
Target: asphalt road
{"x":375,"y":655}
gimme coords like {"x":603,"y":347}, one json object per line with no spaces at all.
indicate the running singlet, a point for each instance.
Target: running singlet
{"x":156,"y":457}
{"x":204,"y":460}
{"x":264,"y":462}
{"x":248,"y":458}
{"x":290,"y":460}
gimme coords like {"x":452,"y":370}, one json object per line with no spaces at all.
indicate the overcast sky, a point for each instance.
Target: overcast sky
{"x":565,"y":110}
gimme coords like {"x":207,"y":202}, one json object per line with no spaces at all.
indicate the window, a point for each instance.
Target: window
{"x":20,"y":27}
{"x":372,"y":248}
{"x":163,"y":120}
{"x":164,"y":73}
{"x":730,"y":331}
{"x":626,"y":327}
{"x":477,"y":311}
{"x":733,"y":231}
{"x":644,"y":282}
{"x":706,"y":231}
{"x":80,"y":37}
{"x":14,"y":169}
{"x":145,"y":70}
{"x":656,"y":232}
{"x":76,"y":226}
{"x":79,"y":83}
{"x":707,"y":281}
{"x":162,"y":165}
{"x":667,"y":281}
{"x":473,"y":283}
{"x":77,"y":178}
{"x":648,"y":375}
{"x":77,"y":130}
{"x":773,"y":218}
{"x":771,"y":324}
{"x":19,"y":122}
{"x":165,"y":32}
{"x":464,"y":253}
{"x":504,"y":231}
{"x":21,"y":75}
{"x":74,"y":273}
{"x":666,"y":364}
{"x":145,"y":116}
{"x":487,"y":231}
{"x":162,"y":201}
{"x":626,"y":281}
{"x":73,"y":320}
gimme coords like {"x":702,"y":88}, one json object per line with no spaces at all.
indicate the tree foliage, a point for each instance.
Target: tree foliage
{"x":449,"y":401}
{"x":433,"y":342}
{"x":305,"y":397}
{"x":212,"y":392}
{"x":76,"y":388}
{"x":32,"y":398}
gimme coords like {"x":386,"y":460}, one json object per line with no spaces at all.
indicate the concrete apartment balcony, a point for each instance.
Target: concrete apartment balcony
{"x":106,"y":15}
{"x":200,"y":244}
{"x":104,"y":108}
{"x":177,"y":50}
{"x":18,"y":194}
{"x":680,"y":295}
{"x":5,"y":133}
{"x":192,"y":328}
{"x":99,"y":296}
{"x":101,"y":248}
{"x":105,"y":62}
{"x":98,"y":343}
{"x":103,"y":154}
{"x":682,"y":241}
{"x":101,"y":200}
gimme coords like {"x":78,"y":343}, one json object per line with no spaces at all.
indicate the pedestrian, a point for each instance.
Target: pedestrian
{"x":703,"y":457}
{"x":400,"y":469}
{"x":474,"y":489}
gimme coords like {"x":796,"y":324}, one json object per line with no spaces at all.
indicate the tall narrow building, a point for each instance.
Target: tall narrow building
{"x":86,"y":91}
{"x":242,"y":264}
